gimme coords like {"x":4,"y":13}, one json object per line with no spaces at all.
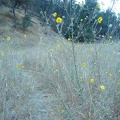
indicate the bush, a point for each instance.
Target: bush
{"x":26,"y":21}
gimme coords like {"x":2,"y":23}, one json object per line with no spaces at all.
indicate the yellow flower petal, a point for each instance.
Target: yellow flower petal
{"x":59,"y":20}
{"x":72,"y":18}
{"x":92,"y":80}
{"x":55,"y":70}
{"x":58,"y":46}
{"x":11,"y":84}
{"x":55,"y":14}
{"x":110,"y":75}
{"x":62,"y":111}
{"x":17,"y":64}
{"x":84,"y":64}
{"x":110,"y":37}
{"x":98,"y":6}
{"x":102,"y":87}
{"x":100,"y":19}
{"x":23,"y":67}
{"x":8,"y":38}
{"x":69,"y":39}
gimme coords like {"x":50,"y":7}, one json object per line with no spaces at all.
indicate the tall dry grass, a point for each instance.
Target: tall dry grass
{"x":47,"y":87}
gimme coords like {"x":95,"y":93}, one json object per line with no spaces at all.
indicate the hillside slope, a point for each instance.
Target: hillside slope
{"x":30,"y":49}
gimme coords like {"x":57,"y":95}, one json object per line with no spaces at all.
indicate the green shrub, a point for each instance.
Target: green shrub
{"x":26,"y":21}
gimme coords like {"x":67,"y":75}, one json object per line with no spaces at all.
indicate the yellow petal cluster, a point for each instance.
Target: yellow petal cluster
{"x":100,"y":19}
{"x":8,"y":38}
{"x":84,"y":64}
{"x":18,"y":65}
{"x":110,"y":37}
{"x":102,"y":87}
{"x":23,"y":67}
{"x":98,"y":6}
{"x":55,"y":14}
{"x":11,"y":84}
{"x":69,"y":39}
{"x":62,"y":111}
{"x":59,"y":20}
{"x":92,"y":80}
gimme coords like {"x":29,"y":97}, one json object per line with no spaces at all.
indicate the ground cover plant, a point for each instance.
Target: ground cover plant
{"x":45,"y":76}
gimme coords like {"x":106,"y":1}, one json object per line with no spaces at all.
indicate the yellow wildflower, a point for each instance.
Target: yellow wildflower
{"x":62,"y":111}
{"x":23,"y":67}
{"x":17,"y":64}
{"x":55,"y":14}
{"x":100,"y":19}
{"x":58,"y":46}
{"x":110,"y":75}
{"x":110,"y":37}
{"x":102,"y":87}
{"x":55,"y":70}
{"x":11,"y":84}
{"x":98,"y":6}
{"x":92,"y":80}
{"x":84,"y":64}
{"x":59,"y":20}
{"x":81,"y":20}
{"x":8,"y":38}
{"x":69,"y":39}
{"x":72,"y":18}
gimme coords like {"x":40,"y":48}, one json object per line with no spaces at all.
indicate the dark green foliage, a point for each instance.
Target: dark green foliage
{"x":44,"y":6}
{"x":26,"y":21}
{"x":108,"y":18}
{"x":82,"y":30}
